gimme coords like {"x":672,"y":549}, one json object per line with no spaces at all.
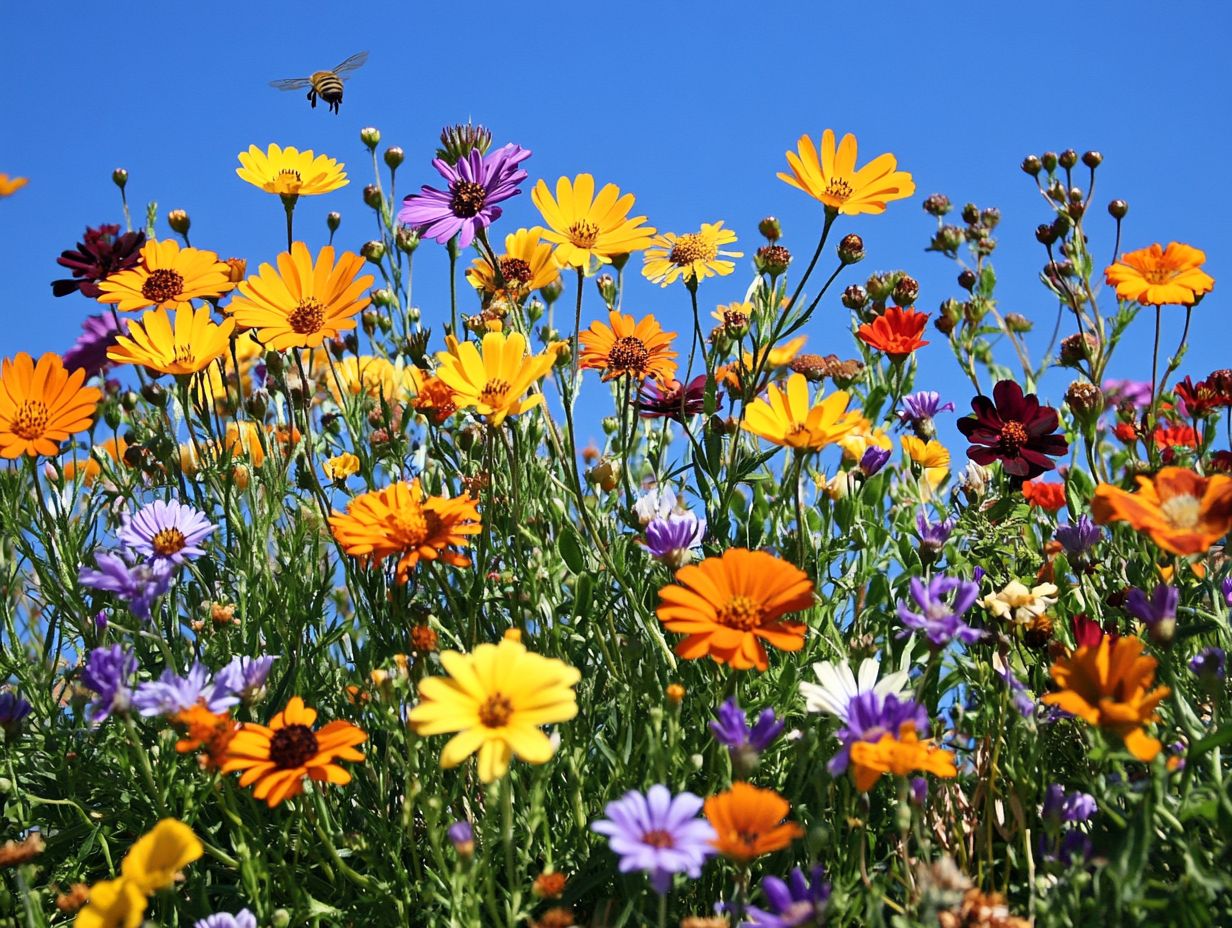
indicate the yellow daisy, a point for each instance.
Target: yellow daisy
{"x":588,"y":228}
{"x":692,"y":256}
{"x":526,"y":265}
{"x":290,"y":171}
{"x":193,"y":343}
{"x":931,"y":456}
{"x":493,"y":383}
{"x":169,"y":277}
{"x":787,"y":419}
{"x":829,"y":174}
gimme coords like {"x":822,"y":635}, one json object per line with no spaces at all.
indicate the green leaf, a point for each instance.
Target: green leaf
{"x":571,"y":550}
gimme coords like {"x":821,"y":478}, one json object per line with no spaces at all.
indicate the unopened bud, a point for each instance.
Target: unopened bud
{"x":374,"y":251}
{"x":880,"y":286}
{"x":854,"y":297}
{"x":154,"y":394}
{"x":370,"y":137}
{"x":938,"y":204}
{"x":967,"y":279}
{"x":1117,"y":209}
{"x":1092,"y":159}
{"x":333,"y":220}
{"x":179,"y":221}
{"x":1017,"y":323}
{"x":1031,"y":165}
{"x":1045,"y":233}
{"x":1068,"y":158}
{"x":1049,"y":160}
{"x":119,"y":177}
{"x":407,"y":239}
{"x":369,"y":319}
{"x":551,"y":292}
{"x":970,"y":213}
{"x":990,"y":217}
{"x":394,"y":156}
{"x":606,"y":285}
{"x":383,"y":297}
{"x":770,"y":228}
{"x":772,"y":260}
{"x":236,"y":269}
{"x":372,"y":196}
{"x":1084,"y":399}
{"x":1077,"y":348}
{"x":112,"y":415}
{"x":619,"y":261}
{"x":906,"y":290}
{"x":851,"y":249}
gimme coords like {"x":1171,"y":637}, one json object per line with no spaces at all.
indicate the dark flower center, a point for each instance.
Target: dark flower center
{"x":838,"y":188}
{"x":628,"y":354}
{"x":292,"y":746}
{"x":740,"y":612}
{"x":515,"y":270}
{"x":468,"y":198}
{"x":583,"y":233}
{"x":31,"y":420}
{"x":162,"y":285}
{"x":495,"y":711}
{"x":1013,"y":436}
{"x":185,"y":355}
{"x":690,"y":248}
{"x":168,"y":541}
{"x":658,"y":838}
{"x":307,"y":317}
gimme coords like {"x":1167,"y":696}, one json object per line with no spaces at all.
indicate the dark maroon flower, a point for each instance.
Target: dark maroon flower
{"x":103,"y":253}
{"x":1015,"y":430}
{"x":1200,"y":398}
{"x":98,"y":333}
{"x":668,"y":401}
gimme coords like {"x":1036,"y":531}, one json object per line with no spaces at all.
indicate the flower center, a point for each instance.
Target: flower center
{"x":583,"y":233}
{"x":185,"y":355}
{"x":1183,"y":511}
{"x":31,"y":420}
{"x":162,"y":285}
{"x":468,"y":198}
{"x":494,"y":392}
{"x":658,"y":838}
{"x":1013,"y":436}
{"x":410,"y":526}
{"x":690,"y":248}
{"x":495,"y":711}
{"x":628,"y":354}
{"x":740,"y":612}
{"x":515,"y":270}
{"x":288,"y":181}
{"x":838,"y":188}
{"x":168,"y":541}
{"x":292,"y":746}
{"x":1159,"y":274}
{"x":307,"y":317}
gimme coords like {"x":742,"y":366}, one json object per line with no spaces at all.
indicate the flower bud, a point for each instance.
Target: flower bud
{"x":371,"y":137}
{"x":119,"y":177}
{"x":970,"y":213}
{"x":154,"y":394}
{"x":1084,"y":399}
{"x":394,"y":156}
{"x":606,"y":285}
{"x":851,"y":249}
{"x":1017,"y":323}
{"x":1031,"y":165}
{"x":369,"y":319}
{"x":813,"y":366}
{"x":610,"y":425}
{"x":772,"y":260}
{"x":1118,"y":209}
{"x":179,"y":221}
{"x":945,"y":324}
{"x":1045,"y":233}
{"x":906,"y":290}
{"x":551,"y":292}
{"x":332,"y":221}
{"x":1049,"y":160}
{"x":534,"y":309}
{"x":619,"y":261}
{"x":112,"y":415}
{"x":946,"y":239}
{"x":372,"y":196}
{"x":374,"y":251}
{"x":257,"y":404}
{"x":1077,"y":348}
{"x":237,"y":268}
{"x":1092,"y":159}
{"x":129,"y":400}
{"x":383,"y":297}
{"x":937,"y":204}
{"x":274,"y":363}
{"x":967,"y":279}
{"x":854,"y":297}
{"x":407,"y":239}
{"x":990,"y":217}
{"x":770,"y":228}
{"x":880,"y":286}
{"x":1068,"y":158}
{"x":459,"y":141}
{"x":280,"y":919}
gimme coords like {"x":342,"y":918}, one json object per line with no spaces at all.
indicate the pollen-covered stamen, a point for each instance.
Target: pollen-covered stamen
{"x":168,"y":541}
{"x":495,"y":711}
{"x":583,"y":233}
{"x":628,"y":354}
{"x":468,"y":198}
{"x":185,"y":355}
{"x":288,"y":181}
{"x":740,"y":612}
{"x":1183,"y":511}
{"x":292,"y":746}
{"x":410,"y":526}
{"x":162,"y":285}
{"x":1013,"y":436}
{"x":838,"y":188}
{"x":307,"y":317}
{"x":659,"y":838}
{"x":31,"y":420}
{"x":494,"y":391}
{"x":692,"y":247}
{"x":515,"y":271}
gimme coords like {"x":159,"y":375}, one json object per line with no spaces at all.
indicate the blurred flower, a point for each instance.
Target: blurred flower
{"x":135,"y":584}
{"x":938,"y":617}
{"x":731,"y":729}
{"x":863,"y":437}
{"x":691,"y":257}
{"x":1068,"y":808}
{"x":1020,"y":605}
{"x":1182,"y":511}
{"x":241,"y":919}
{"x":462,"y":836}
{"x":1225,"y":587}
{"x":639,"y":349}
{"x":870,"y":714}
{"x":1136,"y":392}
{"x":586,"y":228}
{"x":1043,"y":494}
{"x":245,"y":676}
{"x":13,"y":710}
{"x":1210,"y":663}
{"x":656,"y":503}
{"x":726,"y":606}
{"x":786,"y":417}
{"x":657,"y":833}
{"x":374,"y":377}
{"x":41,"y":405}
{"x":171,"y":694}
{"x":496,"y":698}
{"x":169,"y":277}
{"x":101,"y":253}
{"x":290,"y":172}
{"x":900,"y":755}
{"x":1020,"y":696}
{"x":212,"y":731}
{"x":874,"y":459}
{"x":494,"y":383}
{"x":919,"y":410}
{"x":1157,"y":612}
{"x":89,"y":352}
{"x":930,"y":456}
{"x":10,"y":185}
{"x":1078,"y":538}
{"x":799,"y":902}
{"x":672,"y":537}
{"x":749,"y":821}
{"x":673,"y":400}
{"x":341,"y":466}
{"x":1156,"y":276}
{"x":1013,"y":429}
{"x":193,"y":344}
{"x":828,"y":173}
{"x":838,"y":686}
{"x":157,"y":856}
{"x":896,"y":332}
{"x":475,"y":184}
{"x":526,"y":265}
{"x":933,"y":535}
{"x":302,"y":304}
{"x":109,"y":672}
{"x":981,"y":910}
{"x":166,"y":529}
{"x":436,"y":400}
{"x":1175,"y":436}
{"x":115,"y":903}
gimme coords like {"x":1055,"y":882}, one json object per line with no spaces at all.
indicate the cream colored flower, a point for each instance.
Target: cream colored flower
{"x":1020,"y":605}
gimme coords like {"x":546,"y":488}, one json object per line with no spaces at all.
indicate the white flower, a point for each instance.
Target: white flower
{"x":1020,"y":605}
{"x":839,"y":686}
{"x":658,"y":503}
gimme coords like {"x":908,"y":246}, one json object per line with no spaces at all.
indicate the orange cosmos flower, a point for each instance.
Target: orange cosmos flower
{"x":895,"y":332}
{"x":727,"y":605}
{"x":899,"y":756}
{"x":1183,"y":512}
{"x":639,"y":349}
{"x":750,"y":822}
{"x":1108,"y":685}
{"x":1044,"y":495}
{"x":1158,"y":276}
{"x":399,"y":520}
{"x":828,"y":173}
{"x":208,"y":730}
{"x":169,"y":277}
{"x":280,"y":757}
{"x":41,"y":405}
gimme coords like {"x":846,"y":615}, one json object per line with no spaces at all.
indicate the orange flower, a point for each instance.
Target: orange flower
{"x":1175,"y":436}
{"x":169,"y":277}
{"x":436,"y":400}
{"x":89,"y":467}
{"x":895,"y":332}
{"x":278,"y":758}
{"x":639,"y":349}
{"x":41,"y":405}
{"x":1158,"y":276}
{"x":1183,"y":512}
{"x":209,"y":730}
{"x":726,"y":605}
{"x":1044,"y":495}
{"x":750,"y":822}
{"x":899,"y":756}
{"x":1109,"y":685}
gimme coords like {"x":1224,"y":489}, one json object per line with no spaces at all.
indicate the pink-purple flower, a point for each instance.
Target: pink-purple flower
{"x":657,"y":833}
{"x":109,"y":672}
{"x":468,"y":203}
{"x":134,"y":583}
{"x":98,"y":333}
{"x":795,"y":903}
{"x":167,"y":530}
{"x":745,"y":742}
{"x":940,"y":605}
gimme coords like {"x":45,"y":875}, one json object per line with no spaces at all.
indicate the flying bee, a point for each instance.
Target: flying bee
{"x":324,"y":84}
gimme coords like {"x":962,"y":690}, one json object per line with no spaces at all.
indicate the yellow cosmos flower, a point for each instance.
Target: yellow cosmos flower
{"x":290,"y":171}
{"x":526,"y":265}
{"x":692,"y":256}
{"x":864,"y":436}
{"x":829,"y":174}
{"x":588,"y":228}
{"x":931,"y":456}
{"x":192,"y":344}
{"x":341,"y":466}
{"x":10,"y":185}
{"x":493,"y":383}
{"x":169,"y":277}
{"x":375,"y":378}
{"x":162,"y":852}
{"x":1159,"y":276}
{"x":496,"y":699}
{"x":787,"y":419}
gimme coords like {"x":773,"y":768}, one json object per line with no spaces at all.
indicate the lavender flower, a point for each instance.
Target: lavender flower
{"x":871,"y":715}
{"x":241,"y":919}
{"x":1137,"y":392}
{"x":933,"y":535}
{"x":938,"y":618}
{"x":1020,"y":696}
{"x":919,"y":410}
{"x":170,"y":530}
{"x":138,"y":585}
{"x":798,"y":902}
{"x":657,"y":833}
{"x":1078,"y":538}
{"x":918,"y":787}
{"x":731,"y":729}
{"x":1068,"y":808}
{"x":1210,"y":664}
{"x":245,"y":676}
{"x":672,"y":539}
{"x":873,"y":460}
{"x":462,"y":836}
{"x":475,"y":185}
{"x":13,"y":711}
{"x":171,"y":694}
{"x":98,"y":333}
{"x":1158,"y":612}
{"x":108,"y":672}
{"x":1226,"y":588}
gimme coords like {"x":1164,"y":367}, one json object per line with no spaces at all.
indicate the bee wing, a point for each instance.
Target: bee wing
{"x":292,"y":83}
{"x":355,"y":61}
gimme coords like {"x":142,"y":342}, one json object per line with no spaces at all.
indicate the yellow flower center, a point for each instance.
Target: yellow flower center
{"x":838,"y":189}
{"x":410,"y":526}
{"x":1183,"y":511}
{"x":583,"y":233}
{"x":690,"y":248}
{"x":162,"y":285}
{"x":292,"y":746}
{"x":493,"y":392}
{"x":515,"y":270}
{"x":1013,"y":436}
{"x":496,"y":711}
{"x":468,"y":198}
{"x":740,"y":612}
{"x":31,"y":420}
{"x":168,"y":541}
{"x":288,"y":181}
{"x":629,"y":354}
{"x":307,"y":317}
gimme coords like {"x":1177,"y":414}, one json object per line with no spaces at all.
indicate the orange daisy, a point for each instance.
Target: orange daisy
{"x":41,"y":405}
{"x":896,"y":332}
{"x":436,"y":400}
{"x":727,"y":605}
{"x":899,"y":756}
{"x":1158,"y":276}
{"x":1041,"y":494}
{"x":750,"y":821}
{"x":278,"y":758}
{"x":1182,"y":511}
{"x":639,"y":349}
{"x":169,"y":277}
{"x":208,"y":730}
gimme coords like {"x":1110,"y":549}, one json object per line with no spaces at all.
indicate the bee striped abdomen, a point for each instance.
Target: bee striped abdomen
{"x":328,"y":86}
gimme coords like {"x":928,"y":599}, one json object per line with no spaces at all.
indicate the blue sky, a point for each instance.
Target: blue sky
{"x":689,"y":105}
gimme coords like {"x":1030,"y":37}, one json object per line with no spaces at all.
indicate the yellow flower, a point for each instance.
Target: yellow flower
{"x":829,"y":174}
{"x":375,"y":378}
{"x":787,"y":419}
{"x":588,"y":228}
{"x":169,"y":277}
{"x":496,"y":699}
{"x":194,"y":342}
{"x":526,"y":265}
{"x":222,"y":387}
{"x":898,"y":755}
{"x":113,"y":904}
{"x":10,"y":185}
{"x":493,"y":383}
{"x":162,"y":852}
{"x":932,"y":456}
{"x":41,"y":405}
{"x":692,"y":256}
{"x":290,"y":171}
{"x":864,"y":436}
{"x":341,"y":466}
{"x":779,"y":356}
{"x":1020,"y":605}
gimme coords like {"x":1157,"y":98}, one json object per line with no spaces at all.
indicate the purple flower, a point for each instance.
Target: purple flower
{"x":657,"y":833}
{"x":871,"y":715}
{"x":1079,"y":537}
{"x":937,"y":617}
{"x":1158,"y":612}
{"x":918,"y":790}
{"x":241,"y":919}
{"x":873,"y":460}
{"x":462,"y":836}
{"x":671,"y":539}
{"x":1226,"y":588}
{"x":475,"y":185}
{"x":673,"y":400}
{"x":166,"y":530}
{"x":245,"y":676}
{"x":1210,"y":664}
{"x":731,"y":729}
{"x":1068,"y":808}
{"x":171,"y":694}
{"x":98,"y":333}
{"x":1020,"y":696}
{"x":933,"y":535}
{"x":798,"y":902}
{"x":108,"y":672}
{"x":919,"y":410}
{"x":13,"y":710}
{"x":1137,"y":392}
{"x":136,"y":584}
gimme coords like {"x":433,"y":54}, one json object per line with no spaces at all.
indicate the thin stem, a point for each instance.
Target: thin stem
{"x":288,"y":202}
{"x":577,"y":319}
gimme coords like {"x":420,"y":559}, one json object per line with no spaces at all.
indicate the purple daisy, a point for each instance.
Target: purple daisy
{"x":672,"y":539}
{"x":1225,"y":587}
{"x":136,"y":584}
{"x":89,"y":352}
{"x":13,"y":711}
{"x":241,"y":919}
{"x":871,"y":715}
{"x":799,"y":901}
{"x":103,"y":252}
{"x":167,"y":530}
{"x":108,"y":672}
{"x":732,"y":730}
{"x":1020,"y":696}
{"x":246,"y":676}
{"x":476,"y":184}
{"x":919,"y":410}
{"x":673,"y":401}
{"x":1078,"y":538}
{"x":657,"y":833}
{"x":937,"y":615}
{"x":171,"y":694}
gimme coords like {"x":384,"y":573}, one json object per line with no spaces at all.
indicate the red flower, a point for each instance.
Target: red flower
{"x":103,"y":253}
{"x":1044,"y":495}
{"x":895,"y":332}
{"x":1126,"y":432}
{"x":1222,"y":461}
{"x":1174,"y":436}
{"x":1015,"y":430}
{"x":671,"y":399}
{"x":1200,"y":398}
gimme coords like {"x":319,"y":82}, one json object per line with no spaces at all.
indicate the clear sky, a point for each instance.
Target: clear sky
{"x":690,"y":105}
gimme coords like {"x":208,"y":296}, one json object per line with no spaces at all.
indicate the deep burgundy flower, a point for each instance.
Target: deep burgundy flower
{"x":103,"y":253}
{"x":673,"y":398}
{"x":98,"y":333}
{"x":1015,"y":430}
